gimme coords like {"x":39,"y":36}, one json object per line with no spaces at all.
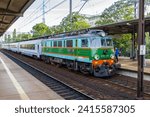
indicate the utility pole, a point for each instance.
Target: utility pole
{"x":136,"y":9}
{"x":71,"y":13}
{"x":43,"y":9}
{"x":141,"y":50}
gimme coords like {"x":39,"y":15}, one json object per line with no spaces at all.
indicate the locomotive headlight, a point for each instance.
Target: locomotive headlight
{"x":112,"y":56}
{"x":96,"y":57}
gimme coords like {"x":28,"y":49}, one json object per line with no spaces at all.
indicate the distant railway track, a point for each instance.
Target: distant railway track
{"x":117,"y":87}
{"x":132,"y":73}
{"x":130,"y":84}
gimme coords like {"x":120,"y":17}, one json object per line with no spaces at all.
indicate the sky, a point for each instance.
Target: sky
{"x":54,"y":15}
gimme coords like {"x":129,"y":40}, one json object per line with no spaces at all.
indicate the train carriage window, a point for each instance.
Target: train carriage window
{"x":55,"y":43}
{"x":59,"y":43}
{"x":28,"y":46}
{"x":84,"y":43}
{"x":69,"y":43}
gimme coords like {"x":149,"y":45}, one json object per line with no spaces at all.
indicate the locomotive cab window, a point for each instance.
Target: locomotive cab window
{"x":69,"y":43}
{"x":95,"y":42}
{"x":109,"y":42}
{"x":84,"y":43}
{"x":103,"y":42}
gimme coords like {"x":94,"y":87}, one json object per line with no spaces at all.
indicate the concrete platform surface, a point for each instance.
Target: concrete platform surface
{"x":18,"y":84}
{"x":127,"y":63}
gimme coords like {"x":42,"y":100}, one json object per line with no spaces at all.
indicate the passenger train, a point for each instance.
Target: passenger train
{"x":89,"y":51}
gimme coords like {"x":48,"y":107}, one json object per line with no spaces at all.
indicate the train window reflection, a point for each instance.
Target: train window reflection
{"x":84,"y":43}
{"x":95,"y":42}
{"x":109,"y":42}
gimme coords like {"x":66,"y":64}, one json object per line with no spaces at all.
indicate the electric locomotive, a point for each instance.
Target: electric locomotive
{"x":90,"y":52}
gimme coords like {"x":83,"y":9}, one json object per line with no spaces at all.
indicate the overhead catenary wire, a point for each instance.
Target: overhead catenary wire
{"x":83,"y":5}
{"x":33,"y":13}
{"x":78,"y":5}
{"x":42,"y":13}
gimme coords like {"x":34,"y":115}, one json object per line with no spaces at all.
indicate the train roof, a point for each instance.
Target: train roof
{"x":71,"y":37}
{"x":68,"y":34}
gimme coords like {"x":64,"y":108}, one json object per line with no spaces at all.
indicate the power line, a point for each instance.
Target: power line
{"x":33,"y":13}
{"x":66,"y":12}
{"x":44,"y":13}
{"x":55,"y":6}
{"x":83,"y":5}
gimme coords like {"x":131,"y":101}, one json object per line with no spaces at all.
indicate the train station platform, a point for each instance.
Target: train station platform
{"x":18,"y":84}
{"x":129,"y":64}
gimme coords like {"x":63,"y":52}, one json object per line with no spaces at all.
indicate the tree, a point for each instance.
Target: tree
{"x":147,"y":45}
{"x":9,"y":38}
{"x":6,"y":38}
{"x":119,"y":11}
{"x":78,"y":22}
{"x":14,"y":36}
{"x":123,"y":43}
{"x":23,"y":36}
{"x":40,"y":29}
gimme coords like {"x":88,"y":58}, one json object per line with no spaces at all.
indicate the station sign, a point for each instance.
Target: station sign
{"x":142,"y":49}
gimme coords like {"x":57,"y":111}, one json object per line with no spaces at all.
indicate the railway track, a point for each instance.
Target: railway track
{"x":131,"y":86}
{"x":117,"y":87}
{"x":63,"y":89}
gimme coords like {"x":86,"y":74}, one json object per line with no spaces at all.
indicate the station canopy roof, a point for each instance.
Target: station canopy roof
{"x":10,"y":11}
{"x":124,"y":27}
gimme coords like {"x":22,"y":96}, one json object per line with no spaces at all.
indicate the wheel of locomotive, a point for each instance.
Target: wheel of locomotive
{"x":82,"y":68}
{"x":96,"y":72}
{"x":70,"y":65}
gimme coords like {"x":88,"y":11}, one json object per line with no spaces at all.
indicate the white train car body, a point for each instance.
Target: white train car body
{"x":14,"y":47}
{"x":11,"y":46}
{"x":6,"y":46}
{"x":31,"y":48}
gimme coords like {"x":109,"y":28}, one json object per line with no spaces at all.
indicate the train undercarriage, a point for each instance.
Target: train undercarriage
{"x":104,"y":70}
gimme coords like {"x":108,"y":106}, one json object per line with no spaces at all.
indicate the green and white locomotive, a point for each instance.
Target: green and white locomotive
{"x":90,"y":52}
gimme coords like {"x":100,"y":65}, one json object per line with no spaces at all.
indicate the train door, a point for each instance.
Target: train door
{"x":38,"y":50}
